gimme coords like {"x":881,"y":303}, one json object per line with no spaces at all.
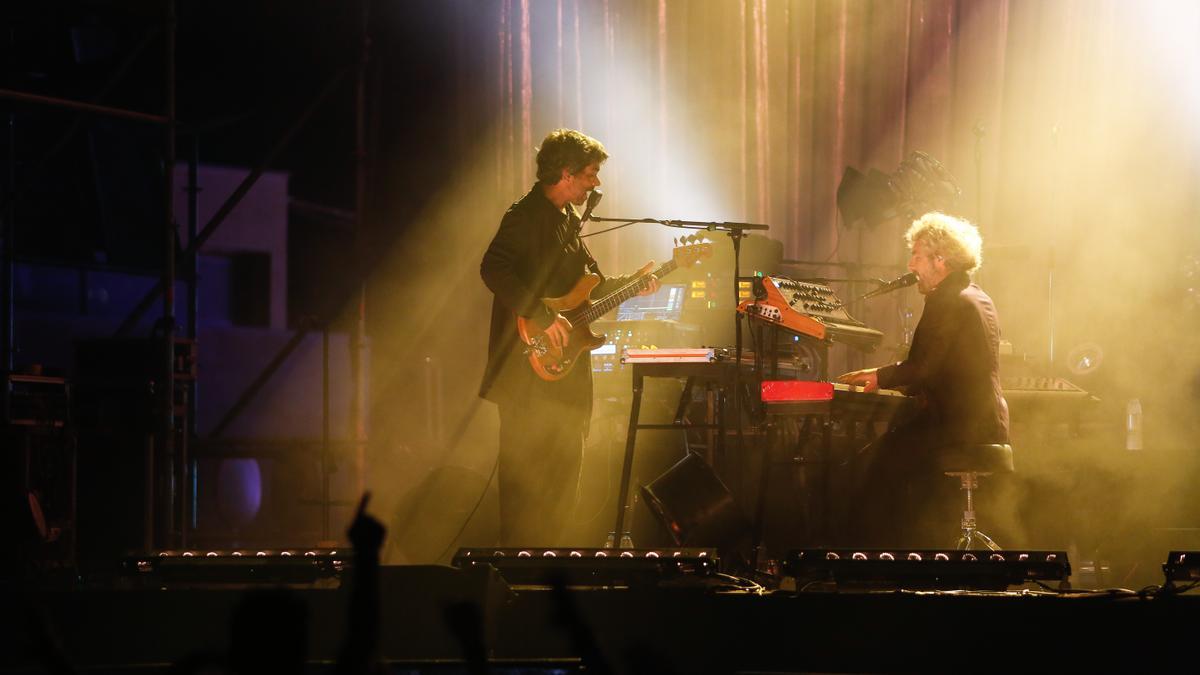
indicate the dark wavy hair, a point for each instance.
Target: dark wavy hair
{"x":569,"y":149}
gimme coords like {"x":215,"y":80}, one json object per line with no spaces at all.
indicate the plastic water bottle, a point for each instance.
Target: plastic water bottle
{"x":626,"y":541}
{"x":1133,"y":424}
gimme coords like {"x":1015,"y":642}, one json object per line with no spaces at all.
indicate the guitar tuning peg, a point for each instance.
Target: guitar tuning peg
{"x":688,"y":239}
{"x":675,"y":241}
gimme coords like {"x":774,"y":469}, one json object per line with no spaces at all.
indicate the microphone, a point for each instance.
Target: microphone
{"x":899,"y":282}
{"x":593,"y":199}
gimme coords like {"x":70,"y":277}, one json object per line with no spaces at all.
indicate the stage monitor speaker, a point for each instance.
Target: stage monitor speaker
{"x":924,"y":569}
{"x":1182,"y":567}
{"x":695,"y":506}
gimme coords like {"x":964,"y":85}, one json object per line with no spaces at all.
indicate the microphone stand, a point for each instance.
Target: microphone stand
{"x":722,"y":226}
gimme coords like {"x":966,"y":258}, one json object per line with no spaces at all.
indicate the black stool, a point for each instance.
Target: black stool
{"x":968,"y":463}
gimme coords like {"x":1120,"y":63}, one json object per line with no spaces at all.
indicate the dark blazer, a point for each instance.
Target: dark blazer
{"x":953,"y":366}
{"x":535,"y":254}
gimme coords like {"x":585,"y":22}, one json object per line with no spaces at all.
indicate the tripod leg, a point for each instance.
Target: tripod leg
{"x":967,"y":541}
{"x":988,"y":541}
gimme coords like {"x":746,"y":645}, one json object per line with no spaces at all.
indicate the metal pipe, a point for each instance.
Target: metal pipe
{"x":219,"y":217}
{"x":7,"y":231}
{"x":326,"y":460}
{"x":167,"y":323}
{"x":7,"y":237}
{"x":357,"y":286}
{"x":358,"y":343}
{"x":190,"y":465}
{"x":252,"y":390}
{"x":92,"y":108}
{"x":193,"y":267}
{"x":35,"y":174}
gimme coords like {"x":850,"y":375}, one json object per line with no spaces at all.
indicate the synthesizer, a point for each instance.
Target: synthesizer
{"x":795,"y":397}
{"x":1044,"y":398}
{"x":808,"y":309}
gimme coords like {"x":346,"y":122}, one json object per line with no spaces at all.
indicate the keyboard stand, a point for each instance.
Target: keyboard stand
{"x":716,"y":372}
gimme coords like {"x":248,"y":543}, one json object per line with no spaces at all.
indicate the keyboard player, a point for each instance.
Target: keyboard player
{"x":952,"y":369}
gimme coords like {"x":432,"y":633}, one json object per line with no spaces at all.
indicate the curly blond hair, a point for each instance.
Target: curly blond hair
{"x":954,"y":239}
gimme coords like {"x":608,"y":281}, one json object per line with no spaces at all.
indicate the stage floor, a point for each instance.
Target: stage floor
{"x":441,"y":619}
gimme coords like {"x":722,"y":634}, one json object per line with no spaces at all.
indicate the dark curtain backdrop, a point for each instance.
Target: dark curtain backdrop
{"x":771,"y":100}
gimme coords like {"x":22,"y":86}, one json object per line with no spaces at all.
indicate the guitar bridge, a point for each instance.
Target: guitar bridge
{"x":537,"y":347}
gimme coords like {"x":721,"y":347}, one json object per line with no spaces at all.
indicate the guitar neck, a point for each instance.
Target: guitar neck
{"x":604,"y":305}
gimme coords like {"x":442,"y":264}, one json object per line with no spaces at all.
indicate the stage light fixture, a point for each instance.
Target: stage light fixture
{"x":926,"y":569}
{"x":919,"y":185}
{"x":591,"y":567}
{"x":1085,"y":358}
{"x":170,"y":567}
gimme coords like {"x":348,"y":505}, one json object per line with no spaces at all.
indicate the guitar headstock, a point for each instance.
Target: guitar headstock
{"x":691,"y":249}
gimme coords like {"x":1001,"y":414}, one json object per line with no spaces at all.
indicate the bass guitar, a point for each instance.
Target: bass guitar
{"x":553,"y":363}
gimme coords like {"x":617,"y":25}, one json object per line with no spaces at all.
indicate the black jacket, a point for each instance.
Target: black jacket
{"x":535,"y":254}
{"x":953,"y":366}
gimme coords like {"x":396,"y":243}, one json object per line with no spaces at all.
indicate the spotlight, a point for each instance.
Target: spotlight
{"x":919,"y":185}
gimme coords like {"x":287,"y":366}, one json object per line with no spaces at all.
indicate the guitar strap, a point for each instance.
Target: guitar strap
{"x":576,"y":228}
{"x":591,"y":262}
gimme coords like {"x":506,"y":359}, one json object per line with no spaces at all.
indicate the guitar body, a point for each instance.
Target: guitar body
{"x":552,"y":363}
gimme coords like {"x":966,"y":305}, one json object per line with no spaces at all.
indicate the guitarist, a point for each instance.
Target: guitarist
{"x":536,"y":254}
